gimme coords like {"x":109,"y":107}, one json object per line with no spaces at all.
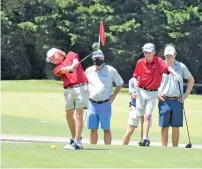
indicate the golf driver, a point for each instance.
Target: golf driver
{"x":189,"y":145}
{"x":95,"y":47}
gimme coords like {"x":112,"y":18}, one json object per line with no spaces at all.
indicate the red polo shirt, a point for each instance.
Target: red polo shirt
{"x":149,"y":75}
{"x":78,"y":76}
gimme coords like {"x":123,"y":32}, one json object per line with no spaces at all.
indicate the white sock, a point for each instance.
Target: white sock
{"x":145,"y":138}
{"x":72,"y":139}
{"x":78,"y":143}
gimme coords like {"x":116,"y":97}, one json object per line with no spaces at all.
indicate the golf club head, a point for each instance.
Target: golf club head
{"x":188,"y":145}
{"x":95,"y":46}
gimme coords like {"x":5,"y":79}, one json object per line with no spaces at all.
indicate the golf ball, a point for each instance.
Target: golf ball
{"x":50,"y":97}
{"x":53,"y":147}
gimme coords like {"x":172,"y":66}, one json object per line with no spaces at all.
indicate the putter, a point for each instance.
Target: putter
{"x":189,"y":145}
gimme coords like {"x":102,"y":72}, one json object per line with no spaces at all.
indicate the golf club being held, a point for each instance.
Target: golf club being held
{"x":95,"y":47}
{"x":189,"y":145}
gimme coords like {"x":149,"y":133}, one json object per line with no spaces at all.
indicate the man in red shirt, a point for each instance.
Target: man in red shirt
{"x":76,"y":91}
{"x":147,"y":78}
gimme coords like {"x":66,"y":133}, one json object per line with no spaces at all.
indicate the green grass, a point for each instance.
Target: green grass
{"x":27,"y":109}
{"x":26,"y":105}
{"x":31,"y":86}
{"x":35,"y":155}
{"x":35,"y":86}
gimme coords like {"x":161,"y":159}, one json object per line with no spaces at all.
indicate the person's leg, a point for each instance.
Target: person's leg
{"x":70,"y":110}
{"x":164,"y":120}
{"x":149,"y":107}
{"x":69,"y":106}
{"x":133,"y":121}
{"x":71,"y":122}
{"x":146,"y":125}
{"x":164,"y":136}
{"x":104,"y":115}
{"x":140,"y":108}
{"x":107,"y":136}
{"x":175,"y":136}
{"x":176,"y":120}
{"x":128,"y":134}
{"x":93,"y":136}
{"x":80,"y":97}
{"x":141,"y":130}
{"x":79,"y":123}
{"x":92,"y":122}
{"x":150,"y":97}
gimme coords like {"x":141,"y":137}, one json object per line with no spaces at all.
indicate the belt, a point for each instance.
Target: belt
{"x":148,"y":89}
{"x":76,"y":85}
{"x":171,"y":98}
{"x":99,"y":102}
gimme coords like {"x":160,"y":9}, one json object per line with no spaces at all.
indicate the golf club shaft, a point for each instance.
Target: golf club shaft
{"x":186,"y":124}
{"x":86,"y":57}
{"x":184,"y":113}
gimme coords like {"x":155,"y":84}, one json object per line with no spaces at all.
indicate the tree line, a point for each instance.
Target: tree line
{"x":31,"y":27}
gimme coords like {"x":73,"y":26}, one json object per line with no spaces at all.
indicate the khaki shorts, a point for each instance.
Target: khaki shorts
{"x":76,"y":97}
{"x":134,"y":119}
{"x":145,"y":101}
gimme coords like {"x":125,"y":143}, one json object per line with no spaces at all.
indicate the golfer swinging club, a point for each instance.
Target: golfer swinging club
{"x":76,"y":91}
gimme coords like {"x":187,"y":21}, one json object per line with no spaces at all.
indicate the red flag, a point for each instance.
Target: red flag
{"x":102,"y":33}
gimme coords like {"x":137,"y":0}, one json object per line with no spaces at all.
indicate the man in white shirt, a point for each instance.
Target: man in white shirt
{"x":100,"y":79}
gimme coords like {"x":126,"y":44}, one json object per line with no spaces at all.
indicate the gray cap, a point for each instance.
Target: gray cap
{"x":148,"y":47}
{"x":98,"y":53}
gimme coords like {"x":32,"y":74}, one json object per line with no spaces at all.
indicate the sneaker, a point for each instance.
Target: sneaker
{"x":71,"y":141}
{"x":73,"y":146}
{"x":144,"y":143}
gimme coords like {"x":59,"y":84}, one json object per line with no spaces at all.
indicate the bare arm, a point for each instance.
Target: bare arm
{"x":135,"y":83}
{"x":69,"y":68}
{"x":75,"y":63}
{"x":190,"y":85}
{"x":116,"y":91}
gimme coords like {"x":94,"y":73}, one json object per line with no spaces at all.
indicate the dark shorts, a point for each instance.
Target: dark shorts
{"x":170,"y":113}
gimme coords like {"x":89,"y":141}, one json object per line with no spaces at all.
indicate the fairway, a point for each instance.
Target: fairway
{"x":33,"y":155}
{"x":28,"y":109}
{"x":37,"y":108}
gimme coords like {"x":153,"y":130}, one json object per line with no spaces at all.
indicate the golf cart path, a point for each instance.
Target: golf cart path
{"x":56,"y":139}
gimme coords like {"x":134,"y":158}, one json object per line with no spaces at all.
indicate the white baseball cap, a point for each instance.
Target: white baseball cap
{"x":50,"y":53}
{"x":148,"y":47}
{"x":169,"y":50}
{"x":97,"y":54}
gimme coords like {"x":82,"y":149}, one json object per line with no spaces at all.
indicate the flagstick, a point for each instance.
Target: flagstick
{"x":99,"y":42}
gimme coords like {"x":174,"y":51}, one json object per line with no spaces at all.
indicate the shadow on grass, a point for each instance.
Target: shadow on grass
{"x":102,"y":149}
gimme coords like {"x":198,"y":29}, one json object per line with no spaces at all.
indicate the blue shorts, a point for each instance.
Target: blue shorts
{"x":170,"y":113}
{"x":99,"y":113}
